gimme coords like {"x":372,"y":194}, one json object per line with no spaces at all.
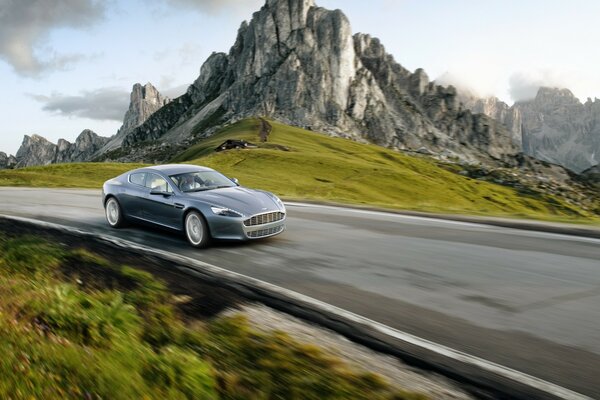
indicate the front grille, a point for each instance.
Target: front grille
{"x":264,"y":218}
{"x":265,"y":232}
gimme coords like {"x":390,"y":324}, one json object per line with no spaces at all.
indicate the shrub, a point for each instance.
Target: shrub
{"x":175,"y":371}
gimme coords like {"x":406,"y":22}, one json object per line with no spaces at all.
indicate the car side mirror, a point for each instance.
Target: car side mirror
{"x":235,"y":180}
{"x":156,"y":192}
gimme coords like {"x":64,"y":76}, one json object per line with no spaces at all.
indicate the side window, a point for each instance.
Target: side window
{"x":138,"y":178}
{"x":157,"y":182}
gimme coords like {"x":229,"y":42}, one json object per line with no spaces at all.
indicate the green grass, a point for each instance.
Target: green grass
{"x":72,"y":335}
{"x":322,"y":168}
{"x":75,"y":175}
{"x":318,"y":167}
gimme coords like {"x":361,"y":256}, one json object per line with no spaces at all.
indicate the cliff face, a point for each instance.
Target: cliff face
{"x":300,"y":64}
{"x":554,"y":126}
{"x":558,"y":128}
{"x":36,"y":150}
{"x":144,"y":101}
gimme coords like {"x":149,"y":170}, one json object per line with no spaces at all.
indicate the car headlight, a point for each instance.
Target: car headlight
{"x":224,"y":211}
{"x":278,"y":202}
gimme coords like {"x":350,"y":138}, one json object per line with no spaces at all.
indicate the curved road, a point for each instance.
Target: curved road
{"x":526,"y":300}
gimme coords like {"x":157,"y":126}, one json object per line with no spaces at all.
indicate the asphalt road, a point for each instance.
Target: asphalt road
{"x":526,"y":300}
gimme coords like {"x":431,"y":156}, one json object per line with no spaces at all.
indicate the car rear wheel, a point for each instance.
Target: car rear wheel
{"x":114,"y":215}
{"x":196,"y":230}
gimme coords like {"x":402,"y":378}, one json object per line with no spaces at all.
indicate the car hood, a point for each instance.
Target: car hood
{"x":247,"y":201}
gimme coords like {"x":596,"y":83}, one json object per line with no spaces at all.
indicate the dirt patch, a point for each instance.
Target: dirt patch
{"x":265,"y":130}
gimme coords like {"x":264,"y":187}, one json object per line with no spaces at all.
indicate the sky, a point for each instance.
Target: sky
{"x":69,"y":65}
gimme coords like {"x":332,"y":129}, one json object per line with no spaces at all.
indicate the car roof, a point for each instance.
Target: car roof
{"x":174,"y":169}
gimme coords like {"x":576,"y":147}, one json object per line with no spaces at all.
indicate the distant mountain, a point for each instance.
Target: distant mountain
{"x":144,"y":101}
{"x":554,"y":126}
{"x":301,"y":64}
{"x":36,"y":150}
{"x":7,"y":161}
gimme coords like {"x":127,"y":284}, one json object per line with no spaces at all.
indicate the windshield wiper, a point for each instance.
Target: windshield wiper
{"x":197,"y":190}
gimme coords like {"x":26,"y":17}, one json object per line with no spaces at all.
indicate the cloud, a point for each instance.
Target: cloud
{"x":105,"y":104}
{"x":26,"y":24}
{"x":218,"y":6}
{"x":175,"y":91}
{"x":524,"y":85}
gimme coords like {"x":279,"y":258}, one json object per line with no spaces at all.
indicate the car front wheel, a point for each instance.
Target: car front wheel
{"x":113,"y":212}
{"x":196,"y":230}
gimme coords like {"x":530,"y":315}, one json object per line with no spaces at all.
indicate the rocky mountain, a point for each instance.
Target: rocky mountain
{"x":493,"y":107}
{"x":36,"y":150}
{"x":554,"y":126}
{"x":558,"y":128}
{"x":144,"y":101}
{"x":302,"y":65}
{"x":7,"y":161}
{"x":592,"y":175}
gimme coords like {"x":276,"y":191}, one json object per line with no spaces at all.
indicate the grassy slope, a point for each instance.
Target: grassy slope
{"x":340,"y":170}
{"x":113,"y":332}
{"x":318,"y":167}
{"x":76,"y":175}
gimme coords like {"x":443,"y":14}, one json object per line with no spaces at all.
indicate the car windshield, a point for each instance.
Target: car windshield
{"x":201,"y":180}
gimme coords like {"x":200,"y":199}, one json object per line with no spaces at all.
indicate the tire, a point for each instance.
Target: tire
{"x":196,"y":230}
{"x":114,"y":213}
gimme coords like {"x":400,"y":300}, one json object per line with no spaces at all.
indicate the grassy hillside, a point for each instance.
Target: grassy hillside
{"x":318,"y":167}
{"x":76,"y":175}
{"x":299,"y":164}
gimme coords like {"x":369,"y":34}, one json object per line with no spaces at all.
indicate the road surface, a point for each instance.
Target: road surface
{"x":526,"y":300}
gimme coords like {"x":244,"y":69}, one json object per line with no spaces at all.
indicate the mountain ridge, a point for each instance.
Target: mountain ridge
{"x":554,"y":126}
{"x":301,"y":64}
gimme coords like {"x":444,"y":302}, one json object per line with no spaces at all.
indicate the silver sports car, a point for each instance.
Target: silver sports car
{"x":198,"y":201}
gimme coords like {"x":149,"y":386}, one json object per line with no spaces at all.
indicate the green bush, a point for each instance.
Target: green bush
{"x":28,"y":255}
{"x":175,"y":372}
{"x":88,"y":319}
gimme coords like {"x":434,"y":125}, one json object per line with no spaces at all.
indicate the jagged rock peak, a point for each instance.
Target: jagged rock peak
{"x":301,"y":64}
{"x":145,"y":100}
{"x":7,"y":161}
{"x":549,"y":96}
{"x":37,"y":150}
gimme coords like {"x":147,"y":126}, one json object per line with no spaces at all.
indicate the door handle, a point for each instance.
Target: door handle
{"x":179,"y":205}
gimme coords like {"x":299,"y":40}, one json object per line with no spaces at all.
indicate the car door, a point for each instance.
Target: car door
{"x":133,"y":197}
{"x":160,"y":208}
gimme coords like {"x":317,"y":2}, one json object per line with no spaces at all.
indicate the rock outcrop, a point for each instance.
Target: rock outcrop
{"x":558,"y":128}
{"x":36,"y":150}
{"x":495,"y":108}
{"x":592,"y":175}
{"x":7,"y":161}
{"x":144,"y":101}
{"x":554,"y":126}
{"x":302,"y":65}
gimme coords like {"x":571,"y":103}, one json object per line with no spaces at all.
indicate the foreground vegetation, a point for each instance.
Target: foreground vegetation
{"x":73,"y":325}
{"x":301,"y":165}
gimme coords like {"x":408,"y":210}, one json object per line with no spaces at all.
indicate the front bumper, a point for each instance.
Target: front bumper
{"x":229,"y":228}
